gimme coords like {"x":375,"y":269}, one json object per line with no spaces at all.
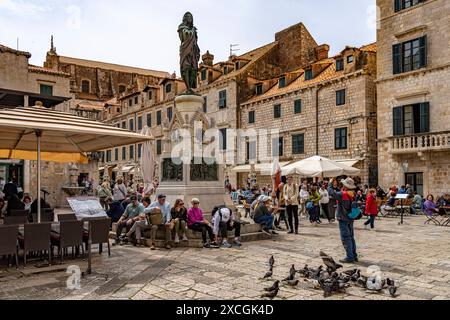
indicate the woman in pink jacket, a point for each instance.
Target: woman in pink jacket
{"x":197,"y":222}
{"x":371,"y":208}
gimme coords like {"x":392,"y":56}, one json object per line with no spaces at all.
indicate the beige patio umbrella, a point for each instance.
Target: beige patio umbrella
{"x":38,"y":133}
{"x":319,"y":167}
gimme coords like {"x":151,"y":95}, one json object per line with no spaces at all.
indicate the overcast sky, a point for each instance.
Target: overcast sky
{"x":143,"y":33}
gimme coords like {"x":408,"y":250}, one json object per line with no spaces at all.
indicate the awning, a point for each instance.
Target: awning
{"x":125,"y":169}
{"x":101,"y":168}
{"x":348,"y":162}
{"x":263,"y":168}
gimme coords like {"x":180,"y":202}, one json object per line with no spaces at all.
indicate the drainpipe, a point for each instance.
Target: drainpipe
{"x":319,"y":87}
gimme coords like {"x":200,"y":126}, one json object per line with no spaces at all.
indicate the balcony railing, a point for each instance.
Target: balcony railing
{"x":435,"y":141}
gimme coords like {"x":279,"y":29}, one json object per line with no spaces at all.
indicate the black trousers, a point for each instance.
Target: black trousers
{"x":226,"y":226}
{"x":292,"y":212}
{"x":204,"y":229}
{"x":281,"y":217}
{"x":123,"y":224}
{"x":326,"y":211}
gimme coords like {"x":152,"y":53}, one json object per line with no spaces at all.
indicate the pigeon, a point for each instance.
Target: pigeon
{"x":329,"y":262}
{"x":393,"y":291}
{"x":289,"y":278}
{"x":356,"y":276}
{"x":275,"y":286}
{"x":269,"y":274}
{"x":326,"y":287}
{"x":350,"y":272}
{"x":360,"y":282}
{"x":293,"y":283}
{"x":271,"y":262}
{"x":292,"y":271}
{"x":343,"y":286}
{"x":390,"y":282}
{"x":271,"y":294}
{"x":304,"y":272}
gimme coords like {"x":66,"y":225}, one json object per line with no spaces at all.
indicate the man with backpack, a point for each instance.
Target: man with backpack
{"x":344,"y":213}
{"x":224,"y":220}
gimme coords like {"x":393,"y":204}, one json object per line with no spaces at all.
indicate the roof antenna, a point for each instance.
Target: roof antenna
{"x":17,"y":43}
{"x":232,"y":50}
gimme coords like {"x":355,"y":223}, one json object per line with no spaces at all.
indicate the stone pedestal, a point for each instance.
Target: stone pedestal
{"x":181,"y":186}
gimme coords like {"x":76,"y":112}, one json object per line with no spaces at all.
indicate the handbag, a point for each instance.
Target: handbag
{"x":309,"y":206}
{"x":155,"y":218}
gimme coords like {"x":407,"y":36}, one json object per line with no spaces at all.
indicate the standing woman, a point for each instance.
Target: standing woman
{"x":371,"y":208}
{"x":120,"y":190}
{"x":104,"y":193}
{"x":315,"y":198}
{"x":304,"y":197}
{"x":325,"y":202}
{"x":291,"y":197}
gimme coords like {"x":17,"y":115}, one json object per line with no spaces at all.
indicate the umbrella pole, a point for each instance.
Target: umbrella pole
{"x":39,"y":135}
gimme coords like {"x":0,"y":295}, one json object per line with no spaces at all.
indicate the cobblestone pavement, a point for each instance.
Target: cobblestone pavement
{"x":416,"y":255}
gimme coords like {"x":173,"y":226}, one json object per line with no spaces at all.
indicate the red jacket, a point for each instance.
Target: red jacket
{"x":371,"y":205}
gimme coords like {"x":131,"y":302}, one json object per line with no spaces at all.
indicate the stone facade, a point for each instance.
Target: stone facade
{"x":420,"y":156}
{"x":319,"y":115}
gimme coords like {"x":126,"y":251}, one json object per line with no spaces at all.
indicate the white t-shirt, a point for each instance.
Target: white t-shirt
{"x":325,"y":197}
{"x":227,"y":215}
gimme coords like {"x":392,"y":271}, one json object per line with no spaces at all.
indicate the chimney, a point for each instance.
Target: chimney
{"x":322,"y":52}
{"x":208,"y":59}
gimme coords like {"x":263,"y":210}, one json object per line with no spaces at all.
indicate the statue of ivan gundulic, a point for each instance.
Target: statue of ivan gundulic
{"x":189,"y":52}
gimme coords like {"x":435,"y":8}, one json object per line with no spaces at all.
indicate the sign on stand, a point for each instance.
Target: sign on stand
{"x":86,"y":207}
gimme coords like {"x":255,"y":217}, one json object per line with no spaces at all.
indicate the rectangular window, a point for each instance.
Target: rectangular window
{"x":205,"y":104}
{"x":131,"y":125}
{"x":158,"y":118}
{"x":136,"y":100}
{"x":251,"y":150}
{"x":169,"y":88}
{"x":139,"y":119}
{"x":339,"y":65}
{"x":415,"y":180}
{"x":158,"y":147}
{"x":340,"y":97}
{"x":149,"y":120}
{"x":131,"y":152}
{"x":223,"y":99}
{"x":298,"y":143}
{"x":410,"y":55}
{"x":124,"y":125}
{"x":277,"y":147}
{"x":251,"y":117}
{"x":150,"y":95}
{"x":237,"y":65}
{"x":46,"y":90}
{"x":259,"y":89}
{"x":308,"y":74}
{"x":116,"y":154}
{"x":108,"y":156}
{"x":103,"y":156}
{"x":277,"y":111}
{"x":130,"y":102}
{"x":223,"y":139}
{"x":225,"y":70}
{"x":405,"y":4}
{"x":140,"y":151}
{"x":170,"y":113}
{"x":85,"y":86}
{"x":203,"y":74}
{"x":340,"y":139}
{"x":411,"y":119}
{"x":282,"y":82}
{"x":124,"y":153}
{"x":298,"y":106}
{"x":350,"y":59}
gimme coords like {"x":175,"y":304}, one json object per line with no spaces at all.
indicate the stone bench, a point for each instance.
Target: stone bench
{"x":249,"y":232}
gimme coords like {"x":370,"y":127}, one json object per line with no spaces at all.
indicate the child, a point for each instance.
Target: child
{"x":371,"y":208}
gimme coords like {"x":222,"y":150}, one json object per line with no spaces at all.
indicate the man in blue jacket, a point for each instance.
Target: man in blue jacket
{"x":344,"y":198}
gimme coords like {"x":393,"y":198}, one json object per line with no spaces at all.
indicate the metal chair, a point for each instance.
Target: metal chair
{"x":8,"y":242}
{"x":67,"y":217}
{"x":36,"y":237}
{"x":15,"y":220}
{"x":70,"y":235}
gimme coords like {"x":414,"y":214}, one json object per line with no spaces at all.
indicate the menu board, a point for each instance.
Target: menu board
{"x":86,"y":207}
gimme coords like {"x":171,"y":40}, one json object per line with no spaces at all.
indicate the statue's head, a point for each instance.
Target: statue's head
{"x":188,"y":19}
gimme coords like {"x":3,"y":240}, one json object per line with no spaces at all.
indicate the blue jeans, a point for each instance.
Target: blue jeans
{"x":371,"y":221}
{"x":348,"y":239}
{"x":265,"y":221}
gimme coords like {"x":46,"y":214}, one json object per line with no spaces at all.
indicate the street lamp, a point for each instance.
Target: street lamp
{"x":405,"y":166}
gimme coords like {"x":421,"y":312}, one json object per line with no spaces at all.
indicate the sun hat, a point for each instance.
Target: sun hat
{"x":195,"y":200}
{"x":349,"y":183}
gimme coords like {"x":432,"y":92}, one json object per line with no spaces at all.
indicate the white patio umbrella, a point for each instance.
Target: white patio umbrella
{"x":38,"y":133}
{"x":319,"y":167}
{"x":147,"y":161}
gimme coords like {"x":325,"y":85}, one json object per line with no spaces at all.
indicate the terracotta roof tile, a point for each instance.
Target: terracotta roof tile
{"x":37,"y":69}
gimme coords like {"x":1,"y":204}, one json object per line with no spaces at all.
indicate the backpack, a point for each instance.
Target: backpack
{"x":351,"y":209}
{"x":309,"y":205}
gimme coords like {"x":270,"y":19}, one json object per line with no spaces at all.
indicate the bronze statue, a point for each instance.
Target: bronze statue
{"x":189,"y":52}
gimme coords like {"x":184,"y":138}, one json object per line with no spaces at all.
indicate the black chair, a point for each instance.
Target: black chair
{"x":70,"y":235}
{"x":99,"y":233}
{"x":19,"y":213}
{"x":15,"y":220}
{"x":8,"y":242}
{"x":47,"y":215}
{"x":67,"y":217}
{"x":36,"y":238}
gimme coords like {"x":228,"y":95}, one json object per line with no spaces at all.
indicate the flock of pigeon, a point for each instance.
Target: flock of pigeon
{"x":328,"y":279}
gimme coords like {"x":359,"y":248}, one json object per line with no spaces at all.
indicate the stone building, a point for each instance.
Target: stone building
{"x":414,"y":94}
{"x":224,"y":86}
{"x":22,"y":84}
{"x":326,"y":108}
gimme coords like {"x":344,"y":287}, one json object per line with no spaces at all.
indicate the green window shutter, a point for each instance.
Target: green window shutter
{"x":423,"y":51}
{"x":398,"y":5}
{"x":298,"y":106}
{"x":397,"y":58}
{"x":398,"y":121}
{"x":425,"y":117}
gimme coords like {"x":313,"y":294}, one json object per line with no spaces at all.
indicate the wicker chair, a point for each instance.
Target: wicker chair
{"x":8,"y":242}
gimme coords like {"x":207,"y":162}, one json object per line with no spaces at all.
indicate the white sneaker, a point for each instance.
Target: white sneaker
{"x":185,"y":238}
{"x":177,"y":239}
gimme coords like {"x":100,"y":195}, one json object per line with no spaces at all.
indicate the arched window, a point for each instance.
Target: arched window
{"x":85,"y":86}
{"x":122,"y":88}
